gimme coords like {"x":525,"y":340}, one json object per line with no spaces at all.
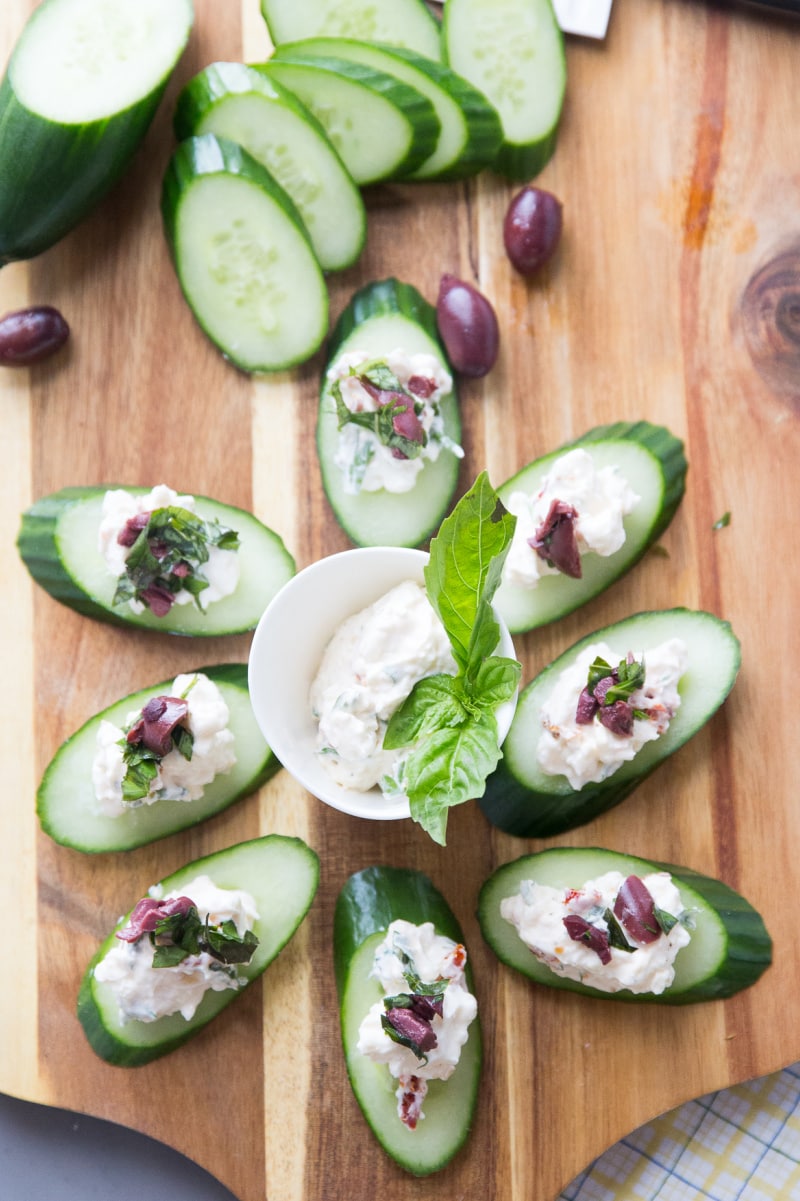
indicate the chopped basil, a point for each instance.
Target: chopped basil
{"x":666,"y":920}
{"x":722,"y":521}
{"x":616,"y":935}
{"x":183,"y":934}
{"x":380,"y":422}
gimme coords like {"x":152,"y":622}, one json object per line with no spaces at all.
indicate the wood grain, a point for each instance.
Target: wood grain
{"x":678,"y":167}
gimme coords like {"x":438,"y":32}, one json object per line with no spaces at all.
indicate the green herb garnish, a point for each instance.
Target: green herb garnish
{"x":450,"y":719}
{"x":616,"y":935}
{"x":186,"y":934}
{"x":722,"y":521}
{"x":379,"y":422}
{"x":629,"y":677}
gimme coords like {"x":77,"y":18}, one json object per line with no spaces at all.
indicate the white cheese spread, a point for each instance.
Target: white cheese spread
{"x":144,"y":993}
{"x":368,"y":669}
{"x":366,"y":464}
{"x":589,"y":753}
{"x":432,"y":958}
{"x":601,"y":499}
{"x":537,"y":912}
{"x":177,"y":778}
{"x":119,"y":506}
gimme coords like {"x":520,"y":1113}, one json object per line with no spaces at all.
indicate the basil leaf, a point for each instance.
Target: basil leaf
{"x":169,"y":956}
{"x":496,"y":682}
{"x":379,"y":422}
{"x":598,"y":670}
{"x":433,"y":701}
{"x":464,"y":569}
{"x":616,"y":935}
{"x":449,"y":767}
{"x":666,"y":920}
{"x":380,"y":375}
{"x":141,"y":769}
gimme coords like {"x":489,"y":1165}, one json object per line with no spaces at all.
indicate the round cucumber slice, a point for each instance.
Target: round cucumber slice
{"x":58,"y":544}
{"x":521,"y":799}
{"x":237,"y":102}
{"x":280,"y":873}
{"x":81,"y":89}
{"x":513,"y":52}
{"x":471,"y":132}
{"x":729,"y":950}
{"x":370,"y":900}
{"x":382,"y":128}
{"x":398,"y":22}
{"x":652,"y":461}
{"x":66,"y":802}
{"x":382,"y":317}
{"x":243,"y":256}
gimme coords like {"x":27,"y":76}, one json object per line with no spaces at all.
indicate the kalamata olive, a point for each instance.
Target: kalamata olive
{"x":468,"y":327}
{"x":30,"y":335}
{"x":532,"y":229}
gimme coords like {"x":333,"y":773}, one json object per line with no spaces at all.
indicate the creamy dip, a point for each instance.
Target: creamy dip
{"x":601,"y":500}
{"x":177,"y":778}
{"x":221,"y":570}
{"x":432,"y":957}
{"x":537,"y":912}
{"x":144,"y":993}
{"x":369,"y":667}
{"x":366,"y":464}
{"x":589,"y":753}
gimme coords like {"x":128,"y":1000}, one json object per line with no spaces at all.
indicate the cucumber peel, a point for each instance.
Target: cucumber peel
{"x":729,"y":950}
{"x":65,"y":798}
{"x":521,"y":799}
{"x":281,"y":874}
{"x":58,"y":544}
{"x":381,"y":317}
{"x":652,"y":461}
{"x":370,"y":900}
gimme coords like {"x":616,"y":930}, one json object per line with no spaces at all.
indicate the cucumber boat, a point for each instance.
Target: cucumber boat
{"x":522,"y":799}
{"x":729,"y":946}
{"x":66,"y":801}
{"x":652,"y":461}
{"x":383,"y":317}
{"x":58,"y":542}
{"x":280,"y":874}
{"x":369,"y":902}
{"x":75,"y":104}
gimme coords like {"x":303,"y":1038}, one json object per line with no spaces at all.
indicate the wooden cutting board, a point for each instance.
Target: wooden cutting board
{"x":675,"y":298}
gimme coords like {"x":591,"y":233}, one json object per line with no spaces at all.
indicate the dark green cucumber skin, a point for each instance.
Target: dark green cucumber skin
{"x":749,"y":950}
{"x":368,"y":903}
{"x":234,"y":674}
{"x":525,"y":812}
{"x":416,"y":106}
{"x":387,"y":298}
{"x":53,"y":175}
{"x":103,"y":1042}
{"x":373,"y":898}
{"x":666,"y":449}
{"x":38,"y":548}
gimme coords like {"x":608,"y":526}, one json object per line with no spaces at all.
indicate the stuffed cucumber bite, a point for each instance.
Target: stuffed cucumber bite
{"x":409,"y":1018}
{"x":192,"y":944}
{"x":155,"y":762}
{"x":388,"y":427}
{"x":152,"y":558}
{"x":586,"y":514}
{"x":612,"y":925}
{"x":604,"y":714}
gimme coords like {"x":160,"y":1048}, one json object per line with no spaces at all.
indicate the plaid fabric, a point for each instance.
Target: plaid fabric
{"x":740,"y":1144}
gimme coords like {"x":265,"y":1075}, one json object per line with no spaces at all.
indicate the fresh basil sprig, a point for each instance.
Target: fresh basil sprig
{"x":450,"y":720}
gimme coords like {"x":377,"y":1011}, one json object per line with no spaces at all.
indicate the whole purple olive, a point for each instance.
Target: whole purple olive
{"x":532,"y":229}
{"x":468,"y":327}
{"x":29,"y":335}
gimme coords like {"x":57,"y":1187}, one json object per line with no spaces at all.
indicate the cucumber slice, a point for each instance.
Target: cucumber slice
{"x":370,"y":900}
{"x":382,"y":128}
{"x":66,"y":802}
{"x":398,"y":22}
{"x":471,"y":132}
{"x":282,"y":875}
{"x":243,"y":256}
{"x":521,"y":799}
{"x":81,"y":89}
{"x":58,"y":544}
{"x":380,"y":318}
{"x":239,"y":103}
{"x":652,"y":461}
{"x":513,"y":52}
{"x":729,"y":949}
